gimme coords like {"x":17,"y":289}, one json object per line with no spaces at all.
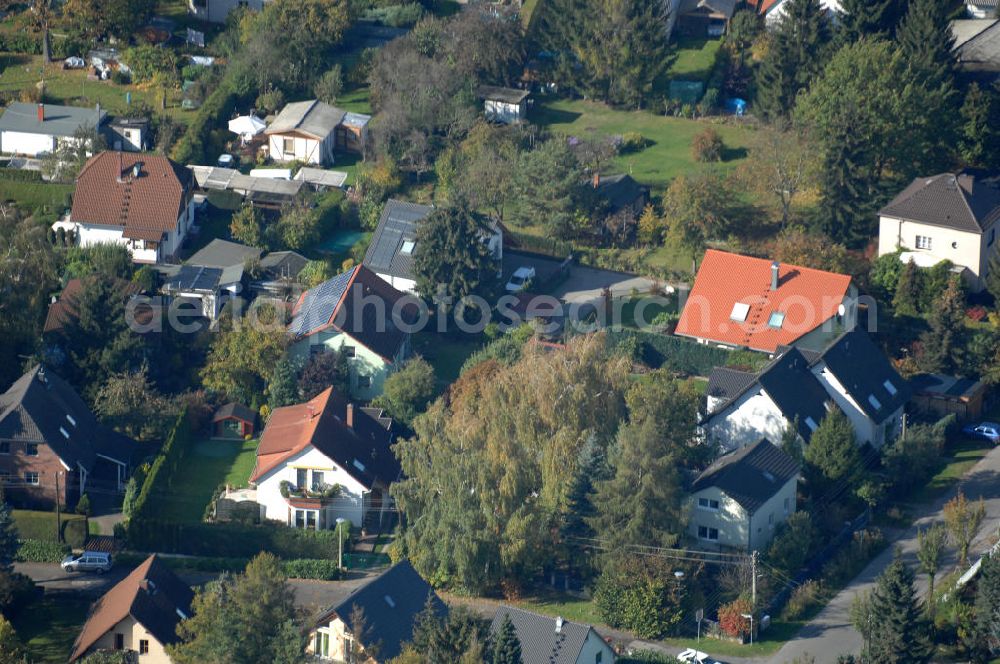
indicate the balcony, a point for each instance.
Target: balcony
{"x":314,"y":498}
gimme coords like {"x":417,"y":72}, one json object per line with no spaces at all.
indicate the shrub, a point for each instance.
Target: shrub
{"x":231,"y":540}
{"x":271,"y":101}
{"x":83,"y":505}
{"x":803,"y":598}
{"x":330,"y":85}
{"x":633,"y":141}
{"x":710,"y":100}
{"x":145,"y":62}
{"x":731,"y":620}
{"x":40,"y":551}
{"x":396,"y":16}
{"x":640,"y":595}
{"x":164,"y":468}
{"x":191,"y":149}
{"x":680,"y":355}
{"x":851,"y":559}
{"x":707,"y":146}
{"x":305,"y":568}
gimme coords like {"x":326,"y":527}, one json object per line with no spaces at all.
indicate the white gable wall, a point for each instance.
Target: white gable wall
{"x":964,"y":249}
{"x":866,"y":430}
{"x":737,"y":528}
{"x":32,"y":145}
{"x":593,"y":647}
{"x":752,"y":416}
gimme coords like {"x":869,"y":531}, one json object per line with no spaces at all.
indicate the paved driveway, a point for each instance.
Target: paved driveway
{"x":582,"y":285}
{"x":830,"y":633}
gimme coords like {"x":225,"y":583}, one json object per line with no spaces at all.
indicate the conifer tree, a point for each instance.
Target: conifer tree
{"x":8,"y":537}
{"x":944,"y":342}
{"x":986,"y":630}
{"x":845,"y":188}
{"x":906,"y":300}
{"x":832,"y":455}
{"x":899,"y":632}
{"x":993,"y":275}
{"x":979,"y":137}
{"x":869,"y":18}
{"x":796,"y":56}
{"x":506,"y":646}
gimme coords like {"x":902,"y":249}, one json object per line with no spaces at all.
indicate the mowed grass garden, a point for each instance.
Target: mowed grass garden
{"x":50,"y":625}
{"x":210,"y":463}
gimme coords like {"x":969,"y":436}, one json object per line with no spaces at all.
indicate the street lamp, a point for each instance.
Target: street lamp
{"x":340,"y":543}
{"x":750,"y":616}
{"x":678,"y":575}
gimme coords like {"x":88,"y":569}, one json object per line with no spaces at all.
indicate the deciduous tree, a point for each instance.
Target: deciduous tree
{"x":246,"y":226}
{"x":407,"y":392}
{"x":241,"y":357}
{"x":963,"y":519}
{"x":931,"y":544}
{"x":323,"y":370}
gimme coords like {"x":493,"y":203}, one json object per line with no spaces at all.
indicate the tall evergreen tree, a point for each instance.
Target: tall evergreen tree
{"x":906,"y":301}
{"x":979,"y":138}
{"x":899,"y":632}
{"x":795,"y":57}
{"x":993,"y":275}
{"x":506,"y":646}
{"x":451,"y":254}
{"x":846,"y":187}
{"x":832,"y":455}
{"x":986,"y":630}
{"x":944,"y":342}
{"x":8,"y":537}
{"x":869,"y":18}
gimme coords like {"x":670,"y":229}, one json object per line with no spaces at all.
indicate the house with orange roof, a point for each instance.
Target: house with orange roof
{"x":325,"y":459}
{"x":358,"y":314}
{"x":754,"y":303}
{"x":140,"y":200}
{"x":138,"y":616}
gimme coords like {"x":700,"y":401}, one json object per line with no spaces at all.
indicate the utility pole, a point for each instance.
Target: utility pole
{"x":58,"y":516}
{"x":753,"y":580}
{"x":903,"y":433}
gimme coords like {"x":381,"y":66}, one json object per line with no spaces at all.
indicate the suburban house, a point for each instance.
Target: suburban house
{"x":234,"y":420}
{"x":621,"y":192}
{"x":310,"y":132}
{"x":977,"y":45}
{"x":217,"y":11}
{"x":740,"y":499}
{"x":774,"y":10}
{"x":139,"y":615}
{"x":355,"y":313}
{"x":128,"y":134}
{"x":506,"y":105}
{"x":324,"y":460}
{"x":389,"y":604}
{"x":746,"y":302}
{"x":142,"y":201}
{"x":52,"y":445}
{"x":982,"y":8}
{"x":212,"y":276}
{"x":394,"y":242}
{"x":62,"y":310}
{"x":705,"y":17}
{"x":800,"y":386}
{"x":35,"y":129}
{"x":950,"y":216}
{"x":546,"y":640}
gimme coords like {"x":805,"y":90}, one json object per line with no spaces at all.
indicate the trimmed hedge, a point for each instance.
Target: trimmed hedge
{"x":231,"y":540}
{"x":39,"y":551}
{"x":19,"y":175}
{"x":164,"y":468}
{"x":305,"y":568}
{"x":38,"y":525}
{"x":680,"y":355}
{"x":191,"y":149}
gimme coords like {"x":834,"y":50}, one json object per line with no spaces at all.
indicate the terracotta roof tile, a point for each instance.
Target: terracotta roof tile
{"x":146,"y":207}
{"x":806,"y":297}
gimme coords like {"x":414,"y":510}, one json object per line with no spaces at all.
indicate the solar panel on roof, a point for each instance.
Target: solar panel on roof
{"x":386,"y":248}
{"x":319,"y":304}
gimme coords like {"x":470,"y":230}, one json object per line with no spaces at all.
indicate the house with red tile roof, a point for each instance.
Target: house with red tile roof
{"x":754,"y":303}
{"x":142,"y":201}
{"x":322,"y":460}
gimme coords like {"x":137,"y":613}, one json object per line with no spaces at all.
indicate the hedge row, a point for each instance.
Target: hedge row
{"x":231,"y":540}
{"x":217,"y":108}
{"x":39,"y":551}
{"x":37,"y":525}
{"x":20,"y":175}
{"x":166,"y":465}
{"x":680,"y":355}
{"x":303,"y":568}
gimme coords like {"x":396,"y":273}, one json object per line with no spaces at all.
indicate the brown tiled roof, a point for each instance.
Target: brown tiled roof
{"x":109,"y":193}
{"x":63,"y":310}
{"x":151,"y":594}
{"x":806,"y":297}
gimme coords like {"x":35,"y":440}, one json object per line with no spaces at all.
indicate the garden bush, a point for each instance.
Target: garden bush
{"x":166,"y":465}
{"x":662,"y":351}
{"x":18,"y":175}
{"x":300,"y":568}
{"x":707,"y":146}
{"x":40,"y":551}
{"x":853,"y":558}
{"x":803,"y":599}
{"x":305,"y":568}
{"x":145,"y":62}
{"x":231,"y":540}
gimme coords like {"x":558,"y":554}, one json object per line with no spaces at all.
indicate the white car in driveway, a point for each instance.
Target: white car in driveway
{"x":520,"y":279}
{"x":692,"y":656}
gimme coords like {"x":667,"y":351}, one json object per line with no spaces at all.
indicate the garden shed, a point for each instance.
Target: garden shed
{"x":234,"y":421}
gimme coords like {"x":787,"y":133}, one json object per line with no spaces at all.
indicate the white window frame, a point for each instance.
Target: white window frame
{"x":706,"y":504}
{"x":27,"y":478}
{"x":924,"y":242}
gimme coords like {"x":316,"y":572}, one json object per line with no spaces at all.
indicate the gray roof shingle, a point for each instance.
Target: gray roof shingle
{"x":863,"y":370}
{"x":540,"y":643}
{"x":725,"y":383}
{"x":398,"y":224}
{"x":795,"y":390}
{"x":315,"y":118}
{"x":966,"y":201}
{"x":978,"y":46}
{"x":750,"y":475}
{"x":223,"y":253}
{"x":62,"y":121}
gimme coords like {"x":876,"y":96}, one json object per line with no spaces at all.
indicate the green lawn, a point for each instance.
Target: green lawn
{"x":695,"y":58}
{"x":211,"y":463}
{"x":49,"y":626}
{"x":33,"y":195}
{"x":445,"y":353}
{"x":356,"y":101}
{"x":962,"y":455}
{"x":669,"y":151}
{"x":569,"y":607}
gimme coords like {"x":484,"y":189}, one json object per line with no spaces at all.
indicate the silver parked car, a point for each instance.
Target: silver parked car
{"x":88,"y":561}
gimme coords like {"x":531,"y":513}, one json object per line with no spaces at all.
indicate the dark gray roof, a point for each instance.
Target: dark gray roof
{"x":795,"y":390}
{"x":966,"y":201}
{"x":398,"y":224}
{"x":725,"y":383}
{"x":725,"y":7}
{"x":59,"y":120}
{"x":314,"y":117}
{"x":750,"y":475}
{"x":863,"y":370}
{"x":283,"y":264}
{"x":540,"y":643}
{"x":978,"y":45}
{"x":390,"y":604}
{"x":194,"y":278}
{"x":945,"y":386}
{"x":223,"y":253}
{"x":620,"y":190}
{"x":506,"y":95}
{"x":40,"y":406}
{"x":237,"y":410}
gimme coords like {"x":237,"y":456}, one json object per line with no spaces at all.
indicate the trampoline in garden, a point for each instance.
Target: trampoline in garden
{"x":340,"y":241}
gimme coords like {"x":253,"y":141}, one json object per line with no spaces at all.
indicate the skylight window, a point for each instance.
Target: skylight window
{"x":69,"y":418}
{"x":64,"y":433}
{"x":390,"y":601}
{"x":182,"y":615}
{"x":776,"y":319}
{"x":768,"y":476}
{"x":876,"y":404}
{"x":811,"y":423}
{"x":890,"y":388}
{"x":360,"y":466}
{"x":740,"y":311}
{"x":408,"y":246}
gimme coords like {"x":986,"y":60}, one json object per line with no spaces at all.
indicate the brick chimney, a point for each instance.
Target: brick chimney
{"x":350,"y":415}
{"x":41,"y":112}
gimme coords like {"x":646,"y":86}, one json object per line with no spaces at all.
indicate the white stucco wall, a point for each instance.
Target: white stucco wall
{"x":307,"y":150}
{"x":364,"y":363}
{"x":16,"y":142}
{"x":968,"y":250}
{"x":132,"y":632}
{"x":736,"y":527}
{"x":90,"y":234}
{"x":745,"y":421}
{"x":349,"y":504}
{"x":401,"y":284}
{"x":594,"y":646}
{"x":866,"y":430}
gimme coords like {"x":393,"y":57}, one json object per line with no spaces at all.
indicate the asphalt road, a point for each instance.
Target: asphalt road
{"x":830,"y":633}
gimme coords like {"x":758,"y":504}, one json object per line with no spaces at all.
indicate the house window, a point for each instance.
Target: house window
{"x":5,"y":447}
{"x":300,"y":518}
{"x":598,"y":658}
{"x":31,"y":478}
{"x":770,"y":520}
{"x":923,"y":242}
{"x":786,"y":505}
{"x":776,"y":319}
{"x":317,"y":480}
{"x":348,"y":351}
{"x":890,"y":388}
{"x":69,"y":418}
{"x":143,"y":646}
{"x":364,"y":381}
{"x":407,"y":248}
{"x":311,"y":519}
{"x":119,"y":641}
{"x":322,"y":645}
{"x":708,"y":504}
{"x":300,"y":477}
{"x":739,"y":312}
{"x":288,"y":145}
{"x":876,"y":404}
{"x":811,"y":423}
{"x":31,"y":449}
{"x":711,"y":534}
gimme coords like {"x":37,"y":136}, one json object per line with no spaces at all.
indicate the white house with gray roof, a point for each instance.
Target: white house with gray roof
{"x":310,"y":132}
{"x":546,"y":640}
{"x":950,"y":216}
{"x":36,"y":129}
